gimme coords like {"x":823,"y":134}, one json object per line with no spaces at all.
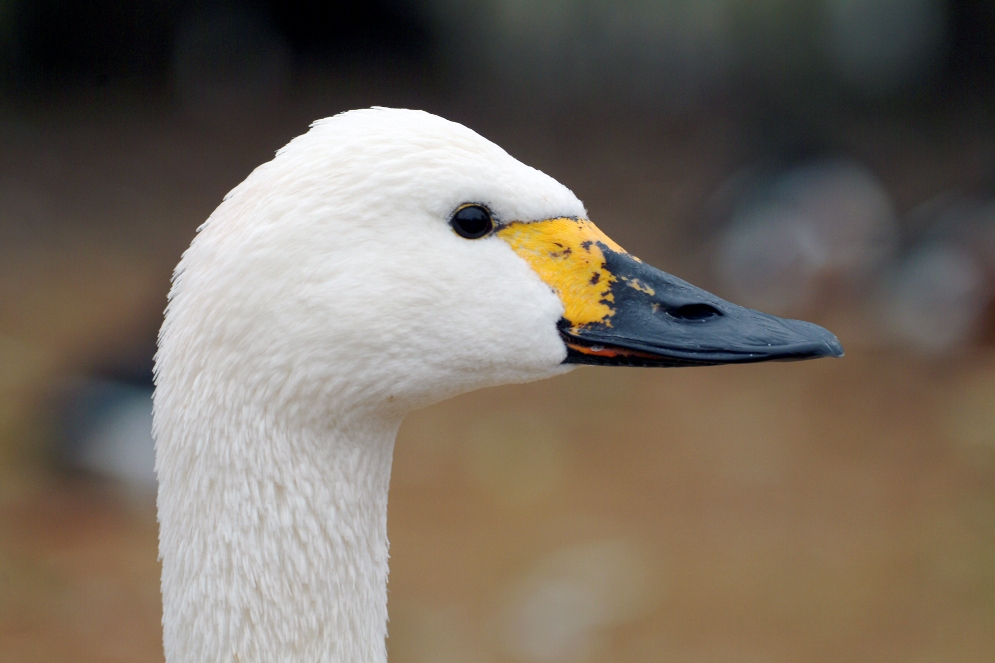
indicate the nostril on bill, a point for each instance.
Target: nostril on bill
{"x":694,"y":312}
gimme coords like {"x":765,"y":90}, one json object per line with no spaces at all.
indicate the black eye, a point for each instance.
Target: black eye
{"x":472,"y":221}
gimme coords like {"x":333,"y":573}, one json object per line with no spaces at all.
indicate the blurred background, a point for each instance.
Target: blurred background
{"x":826,"y":159}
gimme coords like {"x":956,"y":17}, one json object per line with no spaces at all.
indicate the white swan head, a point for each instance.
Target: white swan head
{"x":382,"y":261}
{"x":334,"y":272}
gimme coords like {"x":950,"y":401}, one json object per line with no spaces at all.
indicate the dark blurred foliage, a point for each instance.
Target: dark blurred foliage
{"x":971,"y":60}
{"x":54,"y":43}
{"x":46,"y":44}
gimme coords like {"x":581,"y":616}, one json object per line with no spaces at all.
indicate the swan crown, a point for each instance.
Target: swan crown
{"x":332,"y":275}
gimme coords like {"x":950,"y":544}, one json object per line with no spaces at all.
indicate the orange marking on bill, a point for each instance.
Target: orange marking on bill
{"x":602,"y":351}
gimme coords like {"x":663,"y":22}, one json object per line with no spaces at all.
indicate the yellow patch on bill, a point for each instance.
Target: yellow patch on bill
{"x":636,"y":284}
{"x":566,"y":253}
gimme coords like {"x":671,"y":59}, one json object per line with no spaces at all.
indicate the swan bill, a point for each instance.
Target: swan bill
{"x":619,"y":311}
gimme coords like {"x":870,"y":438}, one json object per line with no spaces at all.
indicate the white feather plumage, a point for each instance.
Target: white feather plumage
{"x":326,"y":297}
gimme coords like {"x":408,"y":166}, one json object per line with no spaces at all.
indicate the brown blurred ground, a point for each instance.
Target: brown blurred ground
{"x":820,"y":512}
{"x":826,"y":511}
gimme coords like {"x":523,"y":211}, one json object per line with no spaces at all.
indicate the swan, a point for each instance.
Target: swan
{"x":383,"y":261}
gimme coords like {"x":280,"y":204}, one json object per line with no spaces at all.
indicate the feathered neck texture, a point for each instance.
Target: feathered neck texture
{"x":327,"y":296}
{"x":273,"y":537}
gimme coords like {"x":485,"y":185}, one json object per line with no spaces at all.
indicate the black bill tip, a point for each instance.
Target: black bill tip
{"x":668,"y":322}
{"x":820,"y":342}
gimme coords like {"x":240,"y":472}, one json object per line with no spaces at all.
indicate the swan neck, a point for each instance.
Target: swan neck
{"x":273,"y":540}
